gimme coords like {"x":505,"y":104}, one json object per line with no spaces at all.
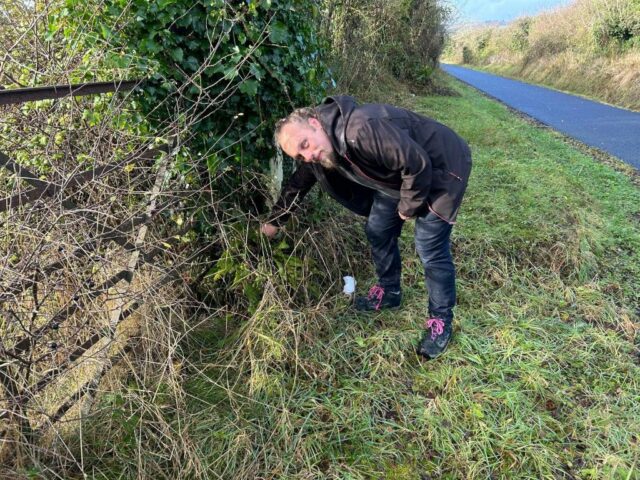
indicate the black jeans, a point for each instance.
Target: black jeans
{"x":432,"y":244}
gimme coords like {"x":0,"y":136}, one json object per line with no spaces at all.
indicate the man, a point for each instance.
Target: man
{"x":390,"y":165}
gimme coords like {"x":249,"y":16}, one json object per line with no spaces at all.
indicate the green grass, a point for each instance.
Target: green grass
{"x":541,"y":380}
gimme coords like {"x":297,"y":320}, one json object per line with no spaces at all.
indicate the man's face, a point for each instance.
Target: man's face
{"x":307,"y":142}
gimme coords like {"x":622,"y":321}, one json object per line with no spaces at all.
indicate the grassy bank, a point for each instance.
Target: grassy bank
{"x":541,"y":380}
{"x":591,"y":47}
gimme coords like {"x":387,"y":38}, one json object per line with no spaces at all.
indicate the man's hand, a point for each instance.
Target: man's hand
{"x":269,"y":229}
{"x":403,"y":217}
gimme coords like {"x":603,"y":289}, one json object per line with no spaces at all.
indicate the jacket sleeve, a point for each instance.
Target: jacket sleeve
{"x":295,"y":189}
{"x":384,"y":144}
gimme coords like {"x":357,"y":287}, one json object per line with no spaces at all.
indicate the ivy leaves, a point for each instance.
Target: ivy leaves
{"x":257,"y":57}
{"x":278,"y":33}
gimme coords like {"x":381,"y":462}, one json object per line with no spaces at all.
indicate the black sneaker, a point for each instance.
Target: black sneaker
{"x":436,"y":338}
{"x":377,"y":299}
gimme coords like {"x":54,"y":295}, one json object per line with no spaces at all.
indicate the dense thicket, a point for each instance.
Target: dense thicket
{"x":217,"y":75}
{"x":214,"y":60}
{"x":220,"y":71}
{"x":372,"y":40}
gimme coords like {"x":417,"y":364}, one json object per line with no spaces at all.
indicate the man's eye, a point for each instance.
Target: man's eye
{"x":305,"y":144}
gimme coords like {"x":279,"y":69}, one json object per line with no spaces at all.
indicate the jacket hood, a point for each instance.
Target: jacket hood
{"x":333,"y":114}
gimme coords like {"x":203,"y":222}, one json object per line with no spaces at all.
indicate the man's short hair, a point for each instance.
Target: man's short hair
{"x":299,"y":115}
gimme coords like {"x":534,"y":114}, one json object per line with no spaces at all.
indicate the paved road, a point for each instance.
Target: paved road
{"x":611,"y":129}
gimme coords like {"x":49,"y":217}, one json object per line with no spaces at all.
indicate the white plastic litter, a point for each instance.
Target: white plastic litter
{"x":349,"y":285}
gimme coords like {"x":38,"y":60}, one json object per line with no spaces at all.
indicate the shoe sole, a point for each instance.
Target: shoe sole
{"x":427,"y":356}
{"x":385,"y":309}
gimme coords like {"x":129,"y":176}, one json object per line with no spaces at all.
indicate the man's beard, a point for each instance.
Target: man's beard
{"x":328,"y":160}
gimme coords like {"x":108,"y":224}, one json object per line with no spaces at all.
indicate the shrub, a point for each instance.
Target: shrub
{"x":371,"y":38}
{"x":482,"y":42}
{"x":222,"y":72}
{"x":617,"y":23}
{"x":520,"y":34}
{"x":467,"y":54}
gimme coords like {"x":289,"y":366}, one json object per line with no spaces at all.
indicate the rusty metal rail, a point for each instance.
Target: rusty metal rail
{"x":22,"y":95}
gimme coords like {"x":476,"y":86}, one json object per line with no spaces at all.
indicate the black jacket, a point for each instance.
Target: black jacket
{"x":415,"y":159}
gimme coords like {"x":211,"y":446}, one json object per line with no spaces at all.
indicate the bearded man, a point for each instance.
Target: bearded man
{"x":390,"y":165}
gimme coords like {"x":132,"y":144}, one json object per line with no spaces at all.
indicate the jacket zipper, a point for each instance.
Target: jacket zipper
{"x":454,"y":175}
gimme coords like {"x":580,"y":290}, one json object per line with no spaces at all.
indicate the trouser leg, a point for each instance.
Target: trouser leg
{"x":383,"y":228}
{"x":432,"y":238}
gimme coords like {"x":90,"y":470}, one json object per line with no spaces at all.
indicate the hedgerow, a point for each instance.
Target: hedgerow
{"x":221,"y":72}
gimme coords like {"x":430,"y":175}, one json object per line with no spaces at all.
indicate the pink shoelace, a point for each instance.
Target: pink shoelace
{"x":376,"y":292}
{"x":436,"y":325}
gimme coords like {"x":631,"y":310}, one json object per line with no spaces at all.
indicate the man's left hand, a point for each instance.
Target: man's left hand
{"x":403,"y":217}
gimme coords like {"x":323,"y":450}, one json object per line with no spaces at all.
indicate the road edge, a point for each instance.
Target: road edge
{"x":597,"y":154}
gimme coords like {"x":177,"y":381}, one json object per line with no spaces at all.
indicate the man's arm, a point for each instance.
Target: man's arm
{"x":294,"y":190}
{"x":392,"y":148}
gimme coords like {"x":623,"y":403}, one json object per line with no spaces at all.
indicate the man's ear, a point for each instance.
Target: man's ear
{"x":314,"y":122}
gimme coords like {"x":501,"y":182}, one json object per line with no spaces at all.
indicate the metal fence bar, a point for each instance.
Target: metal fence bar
{"x":54,"y":373}
{"x":86,"y":388}
{"x":121,"y":293}
{"x":19,"y":399}
{"x":22,"y":172}
{"x":22,"y":95}
{"x":127,"y":302}
{"x":117,"y":234}
{"x":46,"y":189}
{"x":24,"y":343}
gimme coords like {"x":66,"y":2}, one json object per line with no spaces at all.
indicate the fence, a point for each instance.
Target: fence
{"x":78,"y":249}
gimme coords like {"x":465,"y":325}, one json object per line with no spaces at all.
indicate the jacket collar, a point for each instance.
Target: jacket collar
{"x":334,"y":113}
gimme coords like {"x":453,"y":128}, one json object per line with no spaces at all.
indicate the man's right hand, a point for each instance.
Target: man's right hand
{"x":269,"y":229}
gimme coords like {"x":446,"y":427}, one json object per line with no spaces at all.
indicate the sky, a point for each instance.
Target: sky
{"x":475,"y":11}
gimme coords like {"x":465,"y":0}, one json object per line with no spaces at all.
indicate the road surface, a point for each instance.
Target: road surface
{"x":614,"y":130}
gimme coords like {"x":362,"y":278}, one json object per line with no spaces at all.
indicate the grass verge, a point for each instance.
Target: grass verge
{"x":541,"y":380}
